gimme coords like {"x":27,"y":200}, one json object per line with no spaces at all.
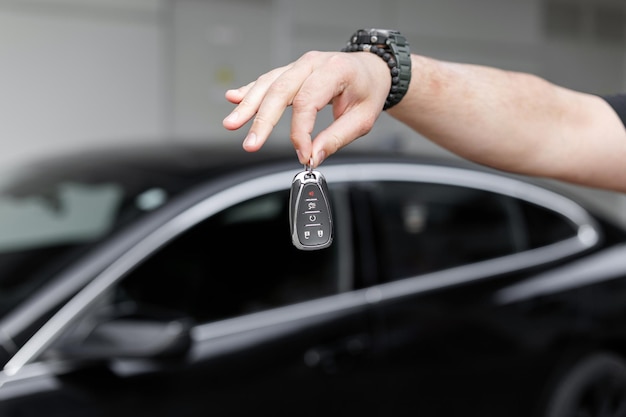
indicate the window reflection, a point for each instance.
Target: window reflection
{"x":428,"y":227}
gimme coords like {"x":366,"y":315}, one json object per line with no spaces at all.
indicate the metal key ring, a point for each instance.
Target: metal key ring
{"x":309,"y":167}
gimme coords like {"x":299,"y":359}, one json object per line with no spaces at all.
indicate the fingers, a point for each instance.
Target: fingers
{"x":235,"y":96}
{"x":279,"y":95}
{"x":351,"y":125}
{"x":308,"y":85}
{"x":266,"y":99}
{"x":248,"y":99}
{"x":314,"y":94}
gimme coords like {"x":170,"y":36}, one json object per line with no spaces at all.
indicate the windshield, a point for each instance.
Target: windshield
{"x":69,"y":213}
{"x":50,"y":214}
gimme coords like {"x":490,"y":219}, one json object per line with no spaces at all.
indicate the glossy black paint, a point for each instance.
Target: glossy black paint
{"x":188,"y":310}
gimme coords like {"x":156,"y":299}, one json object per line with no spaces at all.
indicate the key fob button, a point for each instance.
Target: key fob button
{"x":310,"y":211}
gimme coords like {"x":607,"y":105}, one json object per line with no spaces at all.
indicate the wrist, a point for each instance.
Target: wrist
{"x":393,"y":49}
{"x":427,"y":96}
{"x":412,"y":94}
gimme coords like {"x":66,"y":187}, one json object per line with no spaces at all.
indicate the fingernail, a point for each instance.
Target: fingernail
{"x":299,"y":154}
{"x":321,"y":155}
{"x":250,"y":140}
{"x":232,"y":117}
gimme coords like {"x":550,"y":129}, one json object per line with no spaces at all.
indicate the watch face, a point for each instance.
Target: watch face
{"x":373,"y":36}
{"x":381,"y":32}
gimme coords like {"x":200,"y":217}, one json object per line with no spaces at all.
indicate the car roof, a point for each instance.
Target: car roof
{"x":200,"y":160}
{"x":173,"y":157}
{"x":219,"y":156}
{"x":182,"y":159}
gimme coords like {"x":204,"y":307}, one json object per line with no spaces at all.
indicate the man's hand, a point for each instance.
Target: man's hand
{"x":315,"y":80}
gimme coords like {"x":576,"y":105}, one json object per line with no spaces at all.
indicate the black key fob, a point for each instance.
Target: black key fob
{"x":310,"y":216}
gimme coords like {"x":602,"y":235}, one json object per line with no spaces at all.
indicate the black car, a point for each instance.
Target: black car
{"x":163,"y":281}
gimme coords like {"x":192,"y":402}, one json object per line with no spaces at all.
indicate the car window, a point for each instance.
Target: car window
{"x":544,"y":226}
{"x":428,"y":227}
{"x":72,"y":212}
{"x":52,"y":214}
{"x":239,"y":261}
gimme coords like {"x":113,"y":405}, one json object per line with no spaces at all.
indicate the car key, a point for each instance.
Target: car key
{"x":310,"y":215}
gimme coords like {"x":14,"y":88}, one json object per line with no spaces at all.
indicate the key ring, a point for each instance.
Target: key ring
{"x":309,"y":167}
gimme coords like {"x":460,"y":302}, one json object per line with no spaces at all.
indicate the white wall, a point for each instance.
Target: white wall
{"x":74,"y":73}
{"x":80,"y":72}
{"x":227,"y":43}
{"x":77,"y":72}
{"x":216,"y":44}
{"x":221,"y":43}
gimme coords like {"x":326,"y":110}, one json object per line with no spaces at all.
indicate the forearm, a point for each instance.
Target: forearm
{"x":508,"y":120}
{"x":515,"y":121}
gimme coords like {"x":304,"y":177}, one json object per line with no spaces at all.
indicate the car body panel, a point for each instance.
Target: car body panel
{"x":489,"y":337}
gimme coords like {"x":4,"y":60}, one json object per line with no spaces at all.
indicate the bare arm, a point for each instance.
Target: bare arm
{"x":516,"y":122}
{"x":507,"y":120}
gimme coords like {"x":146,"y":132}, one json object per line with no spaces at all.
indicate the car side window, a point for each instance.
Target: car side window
{"x":424,"y":227}
{"x":238,"y":261}
{"x":545,"y":226}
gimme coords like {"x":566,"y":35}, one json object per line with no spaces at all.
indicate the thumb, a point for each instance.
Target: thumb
{"x":350,"y":126}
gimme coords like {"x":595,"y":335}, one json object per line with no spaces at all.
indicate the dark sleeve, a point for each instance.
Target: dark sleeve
{"x":618,"y":102}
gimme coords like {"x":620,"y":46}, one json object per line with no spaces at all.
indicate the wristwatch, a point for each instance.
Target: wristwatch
{"x":393,"y":48}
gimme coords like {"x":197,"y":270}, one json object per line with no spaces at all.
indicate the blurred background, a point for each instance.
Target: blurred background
{"x":79,"y":73}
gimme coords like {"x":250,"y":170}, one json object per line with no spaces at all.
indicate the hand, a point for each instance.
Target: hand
{"x":355,"y":83}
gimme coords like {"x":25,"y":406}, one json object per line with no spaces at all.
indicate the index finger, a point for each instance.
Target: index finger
{"x":315,"y":94}
{"x":248,"y":99}
{"x":274,"y":100}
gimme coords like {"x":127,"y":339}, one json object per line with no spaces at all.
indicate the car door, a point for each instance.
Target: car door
{"x":445,"y":247}
{"x":225,"y":317}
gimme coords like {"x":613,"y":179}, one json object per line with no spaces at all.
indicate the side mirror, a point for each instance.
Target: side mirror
{"x":131,"y":338}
